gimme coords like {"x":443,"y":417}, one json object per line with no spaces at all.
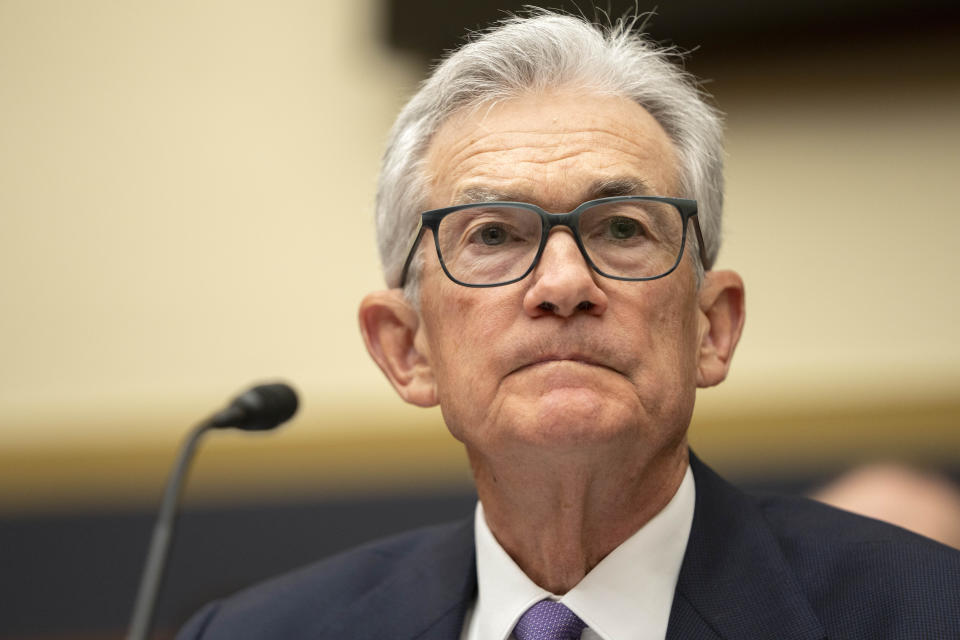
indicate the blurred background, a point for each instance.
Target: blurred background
{"x":186,"y":192}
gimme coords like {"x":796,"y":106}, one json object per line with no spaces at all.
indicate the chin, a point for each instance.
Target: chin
{"x":577,"y":416}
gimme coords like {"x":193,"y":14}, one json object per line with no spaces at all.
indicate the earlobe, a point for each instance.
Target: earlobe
{"x":389,"y":325}
{"x":722,"y":314}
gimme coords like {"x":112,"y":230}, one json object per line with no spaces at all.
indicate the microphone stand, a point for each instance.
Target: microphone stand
{"x":163,"y":531}
{"x":260,"y":408}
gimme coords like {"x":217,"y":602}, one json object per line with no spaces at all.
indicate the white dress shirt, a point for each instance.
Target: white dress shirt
{"x":627,"y":596}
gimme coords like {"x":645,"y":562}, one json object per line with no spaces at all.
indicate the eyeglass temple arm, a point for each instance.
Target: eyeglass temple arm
{"x":700,"y":243}
{"x":410,"y":247}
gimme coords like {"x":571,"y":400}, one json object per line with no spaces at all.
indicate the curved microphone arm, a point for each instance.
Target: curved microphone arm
{"x":261,"y":408}
{"x":163,"y":531}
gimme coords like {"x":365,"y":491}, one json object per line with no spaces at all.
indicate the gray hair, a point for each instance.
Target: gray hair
{"x":538,"y":52}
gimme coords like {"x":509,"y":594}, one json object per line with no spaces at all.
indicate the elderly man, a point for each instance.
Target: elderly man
{"x":549,"y":215}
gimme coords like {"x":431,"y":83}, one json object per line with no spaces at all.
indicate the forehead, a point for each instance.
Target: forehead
{"x":555,"y":149}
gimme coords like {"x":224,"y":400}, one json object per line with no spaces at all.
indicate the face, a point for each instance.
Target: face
{"x":565,"y":358}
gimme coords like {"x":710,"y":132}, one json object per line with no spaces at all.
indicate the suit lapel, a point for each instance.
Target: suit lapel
{"x":425,"y":596}
{"x":735,"y":582}
{"x":686,"y":623}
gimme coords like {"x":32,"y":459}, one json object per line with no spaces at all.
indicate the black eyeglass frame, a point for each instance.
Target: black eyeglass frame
{"x":431,"y":220}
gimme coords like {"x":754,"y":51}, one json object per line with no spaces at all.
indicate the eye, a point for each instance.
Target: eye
{"x":624,"y":228}
{"x":493,"y":234}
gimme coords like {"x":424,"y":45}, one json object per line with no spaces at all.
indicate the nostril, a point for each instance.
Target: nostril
{"x":585,"y":305}
{"x":547,"y":306}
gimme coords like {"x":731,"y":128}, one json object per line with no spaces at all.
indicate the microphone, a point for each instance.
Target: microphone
{"x":260,"y":408}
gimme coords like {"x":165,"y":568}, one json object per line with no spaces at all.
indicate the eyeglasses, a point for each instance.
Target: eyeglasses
{"x":489,"y":244}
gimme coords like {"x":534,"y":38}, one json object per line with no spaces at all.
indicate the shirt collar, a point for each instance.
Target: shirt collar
{"x":627,"y":596}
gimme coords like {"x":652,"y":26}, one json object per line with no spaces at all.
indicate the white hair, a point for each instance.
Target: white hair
{"x":537,"y":52}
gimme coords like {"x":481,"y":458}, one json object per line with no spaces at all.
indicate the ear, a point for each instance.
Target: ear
{"x":389,"y":325}
{"x":722,"y":315}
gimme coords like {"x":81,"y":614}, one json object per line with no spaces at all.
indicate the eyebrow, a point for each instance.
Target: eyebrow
{"x":623,"y":186}
{"x":483,"y":194}
{"x":603,"y":188}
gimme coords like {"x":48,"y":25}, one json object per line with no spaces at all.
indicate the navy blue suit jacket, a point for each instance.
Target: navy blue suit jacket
{"x":754,"y":568}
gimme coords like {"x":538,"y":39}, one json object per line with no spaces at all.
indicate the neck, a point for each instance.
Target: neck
{"x":559,"y":515}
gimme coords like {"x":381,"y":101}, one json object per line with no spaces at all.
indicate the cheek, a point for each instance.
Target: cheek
{"x":466,"y":338}
{"x":686,"y":348}
{"x":665,"y":344}
{"x":464,"y":381}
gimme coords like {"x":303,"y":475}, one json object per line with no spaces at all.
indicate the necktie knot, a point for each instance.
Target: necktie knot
{"x":549,"y":620}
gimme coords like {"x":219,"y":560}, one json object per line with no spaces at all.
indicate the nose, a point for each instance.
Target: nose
{"x":563,"y":284}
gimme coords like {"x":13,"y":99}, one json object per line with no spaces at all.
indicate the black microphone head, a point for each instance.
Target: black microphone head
{"x":258,"y":409}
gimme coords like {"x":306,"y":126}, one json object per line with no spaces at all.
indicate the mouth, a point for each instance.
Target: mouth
{"x":573,"y":358}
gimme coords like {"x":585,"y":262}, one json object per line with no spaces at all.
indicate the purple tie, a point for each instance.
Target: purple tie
{"x":549,"y":620}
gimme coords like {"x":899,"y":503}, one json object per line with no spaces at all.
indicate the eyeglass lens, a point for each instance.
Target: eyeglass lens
{"x":497,"y":243}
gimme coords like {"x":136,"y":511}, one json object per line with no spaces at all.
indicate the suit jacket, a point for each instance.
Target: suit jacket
{"x":768,"y":567}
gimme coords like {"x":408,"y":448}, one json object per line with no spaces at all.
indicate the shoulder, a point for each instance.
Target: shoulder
{"x":813,"y":534}
{"x":854,"y":568}
{"x":762,"y":561}
{"x":312,"y":597}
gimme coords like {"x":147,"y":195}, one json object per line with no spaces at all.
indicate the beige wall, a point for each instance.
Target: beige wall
{"x":186,"y":204}
{"x":185,"y":207}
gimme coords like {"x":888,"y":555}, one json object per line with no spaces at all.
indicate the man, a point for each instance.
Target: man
{"x":564,"y":350}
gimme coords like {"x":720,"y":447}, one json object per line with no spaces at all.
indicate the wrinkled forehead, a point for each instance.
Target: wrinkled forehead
{"x":553,"y":148}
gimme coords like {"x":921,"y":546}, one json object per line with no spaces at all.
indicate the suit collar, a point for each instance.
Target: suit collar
{"x":734,"y":581}
{"x":425,"y":596}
